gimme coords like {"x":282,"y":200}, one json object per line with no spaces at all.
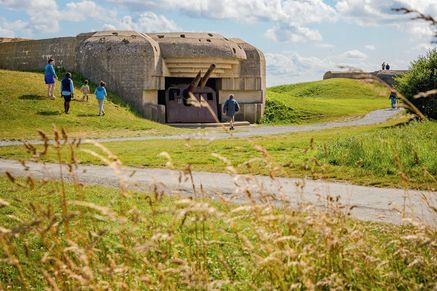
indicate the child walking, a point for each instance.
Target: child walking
{"x":85,"y":89}
{"x":101,"y":95}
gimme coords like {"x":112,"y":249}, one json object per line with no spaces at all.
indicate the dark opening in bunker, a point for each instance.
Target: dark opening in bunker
{"x":177,"y":111}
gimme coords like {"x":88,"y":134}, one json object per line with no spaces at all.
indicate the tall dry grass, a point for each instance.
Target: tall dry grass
{"x":67,"y":236}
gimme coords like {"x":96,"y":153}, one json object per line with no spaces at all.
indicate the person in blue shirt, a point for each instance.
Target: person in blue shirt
{"x":393,"y":99}
{"x":67,"y":91}
{"x":49,"y":77}
{"x":100,"y":96}
{"x":230,"y":108}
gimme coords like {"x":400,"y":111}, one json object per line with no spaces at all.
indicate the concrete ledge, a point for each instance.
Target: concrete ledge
{"x":208,"y":125}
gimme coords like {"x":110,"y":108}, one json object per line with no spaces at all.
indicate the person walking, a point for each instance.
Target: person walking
{"x":67,"y":91}
{"x":85,"y":89}
{"x":383,"y":66}
{"x":231,"y":107}
{"x":100,"y":96}
{"x":393,"y":99}
{"x":49,"y":77}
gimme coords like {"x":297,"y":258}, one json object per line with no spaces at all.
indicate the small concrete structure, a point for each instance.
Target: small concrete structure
{"x":387,"y":76}
{"x":143,"y":68}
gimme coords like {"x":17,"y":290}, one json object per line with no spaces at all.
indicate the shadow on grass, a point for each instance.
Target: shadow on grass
{"x":32,"y":97}
{"x":87,"y":115}
{"x":48,"y":113}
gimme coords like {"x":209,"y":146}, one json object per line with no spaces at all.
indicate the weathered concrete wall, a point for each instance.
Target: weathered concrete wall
{"x":33,"y":55}
{"x":129,"y":62}
{"x":135,"y":65}
{"x":387,"y":76}
{"x":250,"y":86}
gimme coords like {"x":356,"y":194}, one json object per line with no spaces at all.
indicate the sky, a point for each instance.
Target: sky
{"x":301,"y":39}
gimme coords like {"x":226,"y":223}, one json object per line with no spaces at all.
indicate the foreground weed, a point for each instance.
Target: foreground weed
{"x":57,"y":235}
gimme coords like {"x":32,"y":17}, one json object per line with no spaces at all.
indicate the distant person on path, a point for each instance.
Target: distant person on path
{"x":67,"y":91}
{"x":393,"y":99}
{"x":231,"y":107}
{"x":49,"y":77}
{"x":100,"y":96}
{"x":85,"y":89}
{"x":383,"y":66}
{"x":387,"y":67}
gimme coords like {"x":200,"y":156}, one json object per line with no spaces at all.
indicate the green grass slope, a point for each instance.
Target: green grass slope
{"x":323,"y":100}
{"x":24,"y":108}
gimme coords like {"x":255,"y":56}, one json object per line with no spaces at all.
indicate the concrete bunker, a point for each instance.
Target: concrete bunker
{"x":153,"y":71}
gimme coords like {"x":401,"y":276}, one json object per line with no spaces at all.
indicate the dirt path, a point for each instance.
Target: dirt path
{"x":366,"y":203}
{"x":373,"y":117}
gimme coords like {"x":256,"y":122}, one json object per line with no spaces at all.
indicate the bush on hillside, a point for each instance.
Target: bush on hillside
{"x":421,"y":77}
{"x":278,"y":112}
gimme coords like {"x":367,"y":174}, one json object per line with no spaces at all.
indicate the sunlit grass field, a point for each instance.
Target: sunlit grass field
{"x":24,"y":108}
{"x":323,"y":100}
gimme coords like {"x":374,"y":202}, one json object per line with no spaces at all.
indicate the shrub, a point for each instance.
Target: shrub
{"x":421,"y":77}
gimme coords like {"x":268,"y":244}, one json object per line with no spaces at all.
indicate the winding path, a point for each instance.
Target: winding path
{"x":366,"y":203}
{"x":373,"y":117}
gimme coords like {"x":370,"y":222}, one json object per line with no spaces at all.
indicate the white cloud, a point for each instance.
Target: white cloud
{"x":10,"y":29}
{"x":354,"y":54}
{"x":79,"y":11}
{"x":290,"y":16}
{"x":377,"y":12}
{"x":419,"y":30}
{"x":46,"y":15}
{"x":43,"y":14}
{"x":292,"y":33}
{"x":146,"y":22}
{"x":367,"y":13}
{"x":300,"y":11}
{"x":370,"y":47}
{"x":291,"y":67}
{"x":284,"y":68}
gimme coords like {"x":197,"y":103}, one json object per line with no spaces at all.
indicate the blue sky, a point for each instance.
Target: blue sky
{"x":301,"y":39}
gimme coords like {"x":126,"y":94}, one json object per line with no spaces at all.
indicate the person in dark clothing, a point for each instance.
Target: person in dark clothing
{"x":231,"y":107}
{"x":67,"y":91}
{"x":393,"y":99}
{"x":387,"y":67}
{"x":383,"y":66}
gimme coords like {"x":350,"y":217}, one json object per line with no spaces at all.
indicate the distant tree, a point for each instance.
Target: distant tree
{"x":419,"y":84}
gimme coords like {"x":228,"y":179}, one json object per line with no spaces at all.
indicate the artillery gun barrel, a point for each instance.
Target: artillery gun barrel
{"x":206,"y":76}
{"x":195,"y":82}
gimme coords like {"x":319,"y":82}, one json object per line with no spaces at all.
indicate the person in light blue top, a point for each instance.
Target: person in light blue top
{"x":100,"y":96}
{"x":67,"y":91}
{"x":49,"y":77}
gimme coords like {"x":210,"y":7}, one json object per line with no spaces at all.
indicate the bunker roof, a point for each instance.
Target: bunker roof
{"x":203,"y":44}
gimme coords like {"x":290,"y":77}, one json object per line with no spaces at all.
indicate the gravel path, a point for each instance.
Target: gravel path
{"x":373,"y":117}
{"x":366,"y":203}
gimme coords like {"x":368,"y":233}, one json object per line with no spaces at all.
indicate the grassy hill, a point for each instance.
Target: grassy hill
{"x":24,"y":108}
{"x":323,"y":100}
